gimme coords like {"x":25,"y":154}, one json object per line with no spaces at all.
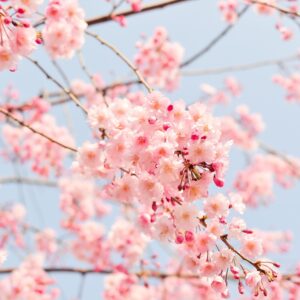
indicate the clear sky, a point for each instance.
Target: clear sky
{"x":193,"y":25}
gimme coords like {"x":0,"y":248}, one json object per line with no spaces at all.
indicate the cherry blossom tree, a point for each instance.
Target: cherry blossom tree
{"x":147,"y":195}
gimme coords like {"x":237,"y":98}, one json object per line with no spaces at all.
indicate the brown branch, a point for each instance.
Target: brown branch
{"x":224,"y":239}
{"x":23,"y":124}
{"x":282,"y":10}
{"x":62,"y":100}
{"x":256,"y":265}
{"x":69,"y":93}
{"x":123,"y":57}
{"x":130,"y":12}
{"x":125,"y":13}
{"x":26,"y":180}
{"x":142,"y":274}
{"x":82,"y":271}
{"x":242,"y":67}
{"x":213,"y":42}
{"x":282,"y":156}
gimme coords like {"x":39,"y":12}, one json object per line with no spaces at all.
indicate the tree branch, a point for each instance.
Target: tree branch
{"x":213,"y":42}
{"x":142,"y":274}
{"x":130,"y":12}
{"x":278,"y":8}
{"x":23,"y":124}
{"x":26,"y":180}
{"x":123,"y":57}
{"x":242,"y":67}
{"x":69,"y":93}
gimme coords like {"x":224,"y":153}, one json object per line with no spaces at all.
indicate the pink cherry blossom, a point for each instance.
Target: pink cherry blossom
{"x":159,"y":59}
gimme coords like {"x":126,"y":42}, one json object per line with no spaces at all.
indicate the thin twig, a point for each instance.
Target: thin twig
{"x":23,"y":124}
{"x":81,"y":287}
{"x":141,"y":274}
{"x":65,"y":99}
{"x":278,"y":8}
{"x":123,"y":57}
{"x":130,"y":12}
{"x":61,"y":72}
{"x":213,"y":42}
{"x":224,"y":239}
{"x":83,"y":66}
{"x":69,"y":93}
{"x":242,"y":67}
{"x":29,"y":181}
{"x":282,"y":156}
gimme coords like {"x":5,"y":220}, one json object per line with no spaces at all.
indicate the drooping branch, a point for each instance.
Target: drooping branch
{"x":224,"y":239}
{"x":130,"y":12}
{"x":27,"y":180}
{"x":282,"y":10}
{"x":282,"y":156}
{"x":294,"y":278}
{"x":213,"y":42}
{"x":242,"y":67}
{"x":23,"y":124}
{"x":66,"y":91}
{"x":82,"y":271}
{"x":123,"y":57}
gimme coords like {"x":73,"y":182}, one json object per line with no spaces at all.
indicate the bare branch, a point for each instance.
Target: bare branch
{"x":130,"y":12}
{"x":213,"y":42}
{"x":282,"y":10}
{"x":65,"y":99}
{"x":242,"y":67}
{"x":69,"y":93}
{"x":26,"y":180}
{"x":123,"y":57}
{"x":142,"y":274}
{"x":282,"y":156}
{"x":23,"y":124}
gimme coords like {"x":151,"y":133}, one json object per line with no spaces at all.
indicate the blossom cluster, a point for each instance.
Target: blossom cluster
{"x":18,"y":37}
{"x":291,"y":84}
{"x":63,"y":33}
{"x":243,"y":129}
{"x":159,"y":59}
{"x":230,"y":11}
{"x":255,"y":182}
{"x":29,"y":146}
{"x":158,"y":159}
{"x":214,"y":96}
{"x":11,"y":221}
{"x":29,"y":281}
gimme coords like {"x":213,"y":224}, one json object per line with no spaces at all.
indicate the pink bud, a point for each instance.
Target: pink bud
{"x":7,"y":20}
{"x":153,"y":218}
{"x":154,"y":206}
{"x":166,"y":126}
{"x":195,"y":137}
{"x":248,"y":231}
{"x":135,"y":7}
{"x":241,"y":288}
{"x":20,"y":10}
{"x":222,"y":220}
{"x":170,"y":107}
{"x":234,"y":270}
{"x":277,"y":265}
{"x":38,"y":41}
{"x":189,"y":236}
{"x":218,"y":182}
{"x":26,"y":24}
{"x":179,"y":239}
